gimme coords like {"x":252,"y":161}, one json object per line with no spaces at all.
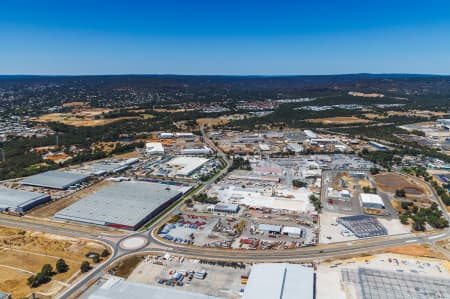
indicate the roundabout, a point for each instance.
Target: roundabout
{"x":133,"y":243}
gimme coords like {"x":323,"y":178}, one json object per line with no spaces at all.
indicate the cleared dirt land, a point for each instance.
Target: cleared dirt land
{"x":23,"y":253}
{"x":389,"y":182}
{"x":77,"y":120}
{"x":338,"y":120}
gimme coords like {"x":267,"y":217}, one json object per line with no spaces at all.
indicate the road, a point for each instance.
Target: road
{"x":155,"y":245}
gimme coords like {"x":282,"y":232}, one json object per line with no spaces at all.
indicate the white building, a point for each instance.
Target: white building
{"x":371,"y":201}
{"x":186,"y":165}
{"x":280,"y":281}
{"x":154,"y":148}
{"x":197,"y":151}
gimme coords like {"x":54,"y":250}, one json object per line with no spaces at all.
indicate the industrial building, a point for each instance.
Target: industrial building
{"x":12,"y":200}
{"x":110,"y":166}
{"x":269,"y":228}
{"x":294,"y":147}
{"x":55,"y":179}
{"x":154,"y":148}
{"x":126,"y":205}
{"x":224,"y":208}
{"x":292,"y":231}
{"x":185,"y":166}
{"x":247,"y":175}
{"x":371,"y":201}
{"x":280,"y":281}
{"x":196,"y":151}
{"x":118,"y":288}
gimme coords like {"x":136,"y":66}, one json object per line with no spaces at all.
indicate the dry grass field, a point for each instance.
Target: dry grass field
{"x":85,"y":117}
{"x":339,"y":120}
{"x":23,"y":253}
{"x":211,"y":122}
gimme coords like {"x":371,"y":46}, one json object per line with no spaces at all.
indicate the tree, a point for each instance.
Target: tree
{"x":374,"y":171}
{"x":405,"y":205}
{"x":41,"y":278}
{"x":31,"y":281}
{"x":96,"y":259}
{"x":61,"y":266}
{"x":298,"y":184}
{"x":315,"y":201}
{"x":105,"y":253}
{"x":400,"y":193}
{"x":47,"y":270}
{"x":85,"y":267}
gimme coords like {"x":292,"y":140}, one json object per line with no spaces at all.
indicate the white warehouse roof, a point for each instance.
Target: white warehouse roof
{"x":154,"y":148}
{"x":187,"y":165}
{"x":370,"y":200}
{"x":280,"y":281}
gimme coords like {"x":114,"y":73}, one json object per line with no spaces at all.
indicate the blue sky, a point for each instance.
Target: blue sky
{"x":224,"y":37}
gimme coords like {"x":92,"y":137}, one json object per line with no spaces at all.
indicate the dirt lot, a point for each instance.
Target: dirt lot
{"x":338,"y":120}
{"x":416,"y":250}
{"x":23,"y":253}
{"x":389,"y":182}
{"x":374,"y":116}
{"x":77,"y":120}
{"x":85,"y":117}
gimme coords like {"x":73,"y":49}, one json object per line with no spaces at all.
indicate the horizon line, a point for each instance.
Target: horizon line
{"x":223,"y":75}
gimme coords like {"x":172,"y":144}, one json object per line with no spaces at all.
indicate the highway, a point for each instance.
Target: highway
{"x":156,"y":245}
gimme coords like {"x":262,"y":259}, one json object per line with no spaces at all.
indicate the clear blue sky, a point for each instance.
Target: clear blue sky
{"x":224,"y":37}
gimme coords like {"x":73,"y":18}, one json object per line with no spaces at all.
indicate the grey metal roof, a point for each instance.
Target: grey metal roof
{"x":55,"y":179}
{"x":125,"y":203}
{"x":12,"y":198}
{"x":280,"y":281}
{"x":116,"y":288}
{"x":269,"y":227}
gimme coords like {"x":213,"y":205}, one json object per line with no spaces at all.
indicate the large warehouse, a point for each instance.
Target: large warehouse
{"x":185,"y":166}
{"x":280,"y":281}
{"x":55,"y":179}
{"x":12,"y":200}
{"x":127,"y":204}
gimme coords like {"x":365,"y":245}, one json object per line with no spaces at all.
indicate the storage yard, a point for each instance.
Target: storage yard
{"x":127,"y":204}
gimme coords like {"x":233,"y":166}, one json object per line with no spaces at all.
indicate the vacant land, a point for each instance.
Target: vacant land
{"x":390,"y":182}
{"x":211,"y":122}
{"x":338,"y":120}
{"x":23,"y":253}
{"x":77,"y":120}
{"x":126,"y":266}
